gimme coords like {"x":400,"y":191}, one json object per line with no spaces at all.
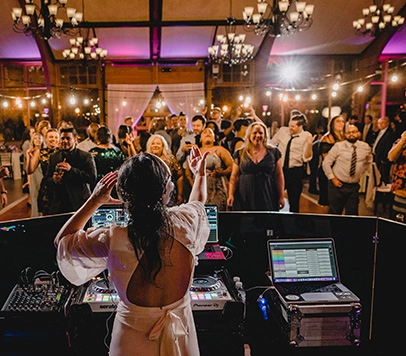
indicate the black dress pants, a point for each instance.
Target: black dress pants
{"x":294,"y":186}
{"x":344,"y":197}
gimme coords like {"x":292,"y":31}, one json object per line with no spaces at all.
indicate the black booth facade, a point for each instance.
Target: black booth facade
{"x":371,"y":256}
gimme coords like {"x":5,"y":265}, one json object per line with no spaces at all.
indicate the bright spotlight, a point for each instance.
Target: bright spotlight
{"x":334,"y":94}
{"x":394,"y":78}
{"x":314,"y":96}
{"x":72,"y":100}
{"x":360,"y":89}
{"x":335,"y":86}
{"x":289,"y":73}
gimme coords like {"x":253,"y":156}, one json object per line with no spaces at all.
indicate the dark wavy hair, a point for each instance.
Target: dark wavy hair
{"x":142,"y":180}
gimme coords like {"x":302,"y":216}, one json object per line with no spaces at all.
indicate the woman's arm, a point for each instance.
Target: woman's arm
{"x":197,"y":164}
{"x":232,"y":186}
{"x":32,"y":157}
{"x":280,"y":183}
{"x":395,"y":151}
{"x":227,"y":159}
{"x":100,"y":196}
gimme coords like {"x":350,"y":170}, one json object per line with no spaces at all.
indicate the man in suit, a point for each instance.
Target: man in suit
{"x":70,"y":174}
{"x":381,"y":147}
{"x":368,"y":134}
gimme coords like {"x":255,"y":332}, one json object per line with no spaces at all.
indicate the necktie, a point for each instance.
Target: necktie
{"x":287,"y":153}
{"x":353,"y":160}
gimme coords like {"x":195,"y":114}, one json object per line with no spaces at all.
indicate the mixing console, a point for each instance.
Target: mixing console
{"x":36,"y":298}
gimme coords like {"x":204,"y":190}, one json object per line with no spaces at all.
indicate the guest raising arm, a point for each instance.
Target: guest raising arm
{"x":151,"y":261}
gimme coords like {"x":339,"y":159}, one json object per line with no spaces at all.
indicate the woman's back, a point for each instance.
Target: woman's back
{"x":172,"y":281}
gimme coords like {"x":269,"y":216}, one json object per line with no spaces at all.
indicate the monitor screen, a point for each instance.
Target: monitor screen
{"x":108,"y":214}
{"x":212,"y":215}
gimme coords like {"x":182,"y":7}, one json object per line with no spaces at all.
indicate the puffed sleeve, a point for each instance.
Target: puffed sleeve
{"x":190,"y":225}
{"x":83,"y":255}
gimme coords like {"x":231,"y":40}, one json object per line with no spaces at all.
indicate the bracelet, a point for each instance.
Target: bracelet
{"x":4,"y":192}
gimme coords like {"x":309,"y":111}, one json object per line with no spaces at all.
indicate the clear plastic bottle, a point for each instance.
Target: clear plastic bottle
{"x":241,"y":291}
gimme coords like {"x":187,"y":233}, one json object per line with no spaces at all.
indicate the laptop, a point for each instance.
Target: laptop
{"x":107,"y":214}
{"x":306,"y":271}
{"x":212,"y":250}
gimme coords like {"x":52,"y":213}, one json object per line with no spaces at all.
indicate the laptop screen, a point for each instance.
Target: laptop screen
{"x":303,"y":260}
{"x":105,"y":215}
{"x":212,"y":215}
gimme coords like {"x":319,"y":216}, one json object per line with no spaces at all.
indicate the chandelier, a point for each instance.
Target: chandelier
{"x":231,"y":48}
{"x":279,"y":19}
{"x":376,"y":18}
{"x":85,"y":48}
{"x":45,"y":19}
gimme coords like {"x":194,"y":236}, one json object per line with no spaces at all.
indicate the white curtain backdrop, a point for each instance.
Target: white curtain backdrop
{"x":186,"y":97}
{"x":137,"y":97}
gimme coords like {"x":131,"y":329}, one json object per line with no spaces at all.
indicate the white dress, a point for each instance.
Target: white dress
{"x":35,"y":182}
{"x":166,"y":331}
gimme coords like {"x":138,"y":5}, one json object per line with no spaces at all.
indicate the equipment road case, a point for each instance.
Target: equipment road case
{"x":312,"y":325}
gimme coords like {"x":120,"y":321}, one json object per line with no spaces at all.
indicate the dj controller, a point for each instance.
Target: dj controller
{"x":206,"y":293}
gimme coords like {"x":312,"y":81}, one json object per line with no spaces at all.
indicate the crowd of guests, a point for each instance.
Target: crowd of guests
{"x":249,"y":166}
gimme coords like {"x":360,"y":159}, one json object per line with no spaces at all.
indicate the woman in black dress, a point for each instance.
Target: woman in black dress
{"x":256,"y":181}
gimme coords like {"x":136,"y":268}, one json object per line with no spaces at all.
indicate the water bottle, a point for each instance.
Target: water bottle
{"x":241,"y":291}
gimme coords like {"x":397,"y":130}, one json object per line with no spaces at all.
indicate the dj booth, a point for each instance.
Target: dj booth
{"x":51,"y":317}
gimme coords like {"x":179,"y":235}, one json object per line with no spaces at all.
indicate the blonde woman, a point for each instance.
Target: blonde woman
{"x":39,"y":159}
{"x":158,"y":146}
{"x":257,"y":181}
{"x":34,"y":175}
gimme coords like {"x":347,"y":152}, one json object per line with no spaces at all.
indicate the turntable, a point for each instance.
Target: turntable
{"x":101,"y":295}
{"x":208,"y":293}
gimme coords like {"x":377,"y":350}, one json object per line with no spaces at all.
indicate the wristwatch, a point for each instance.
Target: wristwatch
{"x":4,"y":192}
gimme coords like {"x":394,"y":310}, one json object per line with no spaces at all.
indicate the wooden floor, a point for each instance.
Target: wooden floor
{"x":19,"y":208}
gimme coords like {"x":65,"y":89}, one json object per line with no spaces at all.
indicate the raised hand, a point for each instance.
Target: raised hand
{"x":197,"y":161}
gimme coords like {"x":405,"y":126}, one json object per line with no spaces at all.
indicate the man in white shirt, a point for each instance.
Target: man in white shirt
{"x":343,"y":184}
{"x":298,"y":142}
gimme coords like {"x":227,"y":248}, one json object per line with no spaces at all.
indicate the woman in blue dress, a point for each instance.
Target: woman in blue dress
{"x":256,"y":181}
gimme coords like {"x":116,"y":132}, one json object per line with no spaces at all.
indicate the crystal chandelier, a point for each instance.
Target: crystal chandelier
{"x":376,"y":18}
{"x":231,"y":48}
{"x":45,"y":19}
{"x":85,"y":48}
{"x":279,"y":19}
